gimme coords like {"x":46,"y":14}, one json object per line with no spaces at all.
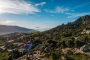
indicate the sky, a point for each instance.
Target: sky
{"x":42,"y":14}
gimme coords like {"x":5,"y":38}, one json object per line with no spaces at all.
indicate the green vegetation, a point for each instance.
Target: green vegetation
{"x":28,"y":58}
{"x":78,"y":56}
{"x":11,"y":55}
{"x":69,"y":56}
{"x":4,"y":56}
{"x":56,"y":39}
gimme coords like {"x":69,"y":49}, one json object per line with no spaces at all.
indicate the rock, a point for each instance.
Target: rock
{"x":46,"y":49}
{"x":84,"y":48}
{"x":62,"y":57}
{"x":76,"y":38}
{"x":65,"y":50}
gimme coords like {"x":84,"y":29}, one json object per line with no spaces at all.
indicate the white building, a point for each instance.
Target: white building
{"x":86,"y":31}
{"x":28,"y":45}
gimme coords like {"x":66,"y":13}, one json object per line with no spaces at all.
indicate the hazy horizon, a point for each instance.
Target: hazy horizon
{"x":42,"y":14}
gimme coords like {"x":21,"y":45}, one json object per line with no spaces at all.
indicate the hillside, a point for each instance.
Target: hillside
{"x":61,"y":42}
{"x":83,"y":20}
{"x":4,"y":29}
{"x":66,"y":41}
{"x":71,"y":28}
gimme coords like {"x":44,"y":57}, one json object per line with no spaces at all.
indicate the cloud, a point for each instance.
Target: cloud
{"x":72,"y":10}
{"x":17,"y":7}
{"x":82,"y":5}
{"x":52,"y":15}
{"x":41,"y":4}
{"x":78,"y":6}
{"x":58,"y":10}
{"x":37,"y":27}
{"x":6,"y":22}
{"x":46,"y":10}
{"x":77,"y":14}
{"x":42,"y":29}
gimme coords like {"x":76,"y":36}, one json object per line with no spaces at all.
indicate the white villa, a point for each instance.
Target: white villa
{"x":86,"y":31}
{"x":28,"y":45}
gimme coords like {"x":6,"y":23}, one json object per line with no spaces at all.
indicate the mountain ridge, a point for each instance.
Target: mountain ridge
{"x":83,"y":19}
{"x":6,"y":29}
{"x":71,"y":28}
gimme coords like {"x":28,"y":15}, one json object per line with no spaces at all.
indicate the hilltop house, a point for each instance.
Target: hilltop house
{"x":9,"y":41}
{"x":86,"y":31}
{"x":28,"y":45}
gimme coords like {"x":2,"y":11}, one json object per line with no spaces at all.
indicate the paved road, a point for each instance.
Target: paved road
{"x":2,"y":47}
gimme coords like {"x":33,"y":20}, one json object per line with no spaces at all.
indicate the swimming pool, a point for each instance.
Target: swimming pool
{"x":19,"y":43}
{"x":21,"y":51}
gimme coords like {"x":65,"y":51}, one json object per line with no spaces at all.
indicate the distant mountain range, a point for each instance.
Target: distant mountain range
{"x":4,"y":29}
